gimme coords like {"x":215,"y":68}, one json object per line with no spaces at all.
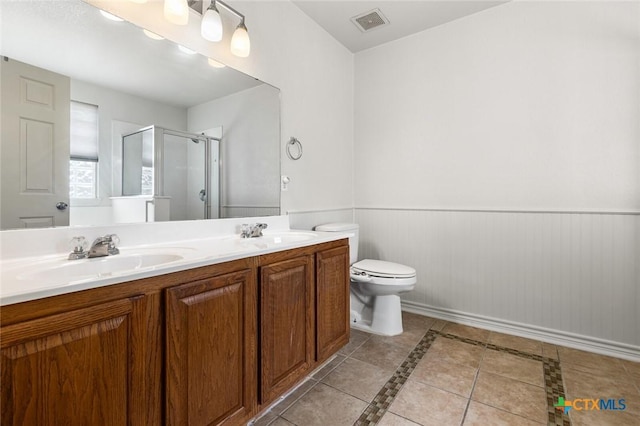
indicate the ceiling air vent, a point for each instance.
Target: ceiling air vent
{"x":369,"y":20}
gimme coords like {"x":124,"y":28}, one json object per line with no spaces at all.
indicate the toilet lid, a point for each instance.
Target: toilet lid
{"x":380,"y":268}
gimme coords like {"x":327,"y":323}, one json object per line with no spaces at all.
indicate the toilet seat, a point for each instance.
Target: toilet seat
{"x":382,"y":273}
{"x":382,"y":269}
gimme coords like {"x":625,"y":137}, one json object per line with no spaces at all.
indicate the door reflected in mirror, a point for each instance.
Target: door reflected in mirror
{"x":135,"y":82}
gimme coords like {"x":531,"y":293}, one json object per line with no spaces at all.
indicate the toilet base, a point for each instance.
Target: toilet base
{"x":385,"y":318}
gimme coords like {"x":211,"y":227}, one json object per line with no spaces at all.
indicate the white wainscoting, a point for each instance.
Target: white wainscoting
{"x":569,"y":278}
{"x":313,"y":218}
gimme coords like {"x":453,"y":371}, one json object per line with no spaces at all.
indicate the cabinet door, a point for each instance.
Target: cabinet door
{"x":286,"y":324}
{"x":211,"y":350}
{"x":332,"y":301}
{"x":75,"y":368}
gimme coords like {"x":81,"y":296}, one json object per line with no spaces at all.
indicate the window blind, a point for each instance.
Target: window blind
{"x":84,"y":131}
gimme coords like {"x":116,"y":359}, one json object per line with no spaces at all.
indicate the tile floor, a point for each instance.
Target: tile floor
{"x":441,"y":373}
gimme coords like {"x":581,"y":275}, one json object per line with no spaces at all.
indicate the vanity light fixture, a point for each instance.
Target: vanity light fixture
{"x":176,"y":11}
{"x":211,"y":28}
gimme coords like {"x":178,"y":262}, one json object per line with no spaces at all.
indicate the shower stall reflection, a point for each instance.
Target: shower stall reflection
{"x":169,"y":175}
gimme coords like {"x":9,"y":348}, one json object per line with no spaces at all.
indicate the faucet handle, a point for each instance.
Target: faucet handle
{"x":245,"y":230}
{"x":256,"y":229}
{"x":113,"y":241}
{"x":113,"y":238}
{"x":78,"y":245}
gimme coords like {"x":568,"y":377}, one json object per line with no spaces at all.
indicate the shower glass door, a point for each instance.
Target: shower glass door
{"x":181,"y":168}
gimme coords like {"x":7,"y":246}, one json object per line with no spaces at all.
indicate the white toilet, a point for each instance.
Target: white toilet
{"x":375,"y":287}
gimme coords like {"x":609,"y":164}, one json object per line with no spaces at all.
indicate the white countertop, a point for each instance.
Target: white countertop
{"x":25,"y":278}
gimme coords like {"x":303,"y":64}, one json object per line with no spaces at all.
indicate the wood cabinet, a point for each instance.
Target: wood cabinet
{"x":74,"y":368}
{"x":210,"y":350}
{"x":332,"y":301}
{"x":286,"y":324}
{"x":206,"y":346}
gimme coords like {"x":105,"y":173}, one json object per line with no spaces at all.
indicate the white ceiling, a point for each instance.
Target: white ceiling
{"x":72,"y":38}
{"x":405,"y":17}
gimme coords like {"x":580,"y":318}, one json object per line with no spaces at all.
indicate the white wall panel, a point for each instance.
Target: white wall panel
{"x":524,"y":106}
{"x":313,"y":218}
{"x":572,"y":272}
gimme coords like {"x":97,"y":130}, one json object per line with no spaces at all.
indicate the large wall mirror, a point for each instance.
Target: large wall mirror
{"x":76,"y":84}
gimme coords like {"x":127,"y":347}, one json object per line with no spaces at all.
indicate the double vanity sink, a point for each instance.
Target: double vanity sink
{"x":175,"y":329}
{"x":28,"y":278}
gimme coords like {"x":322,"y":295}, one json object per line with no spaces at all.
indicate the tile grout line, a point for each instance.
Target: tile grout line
{"x":475,"y":380}
{"x":551,"y":369}
{"x":382,"y":401}
{"x":552,"y":381}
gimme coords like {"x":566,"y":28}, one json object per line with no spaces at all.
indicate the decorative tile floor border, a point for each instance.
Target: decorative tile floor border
{"x":383,"y":400}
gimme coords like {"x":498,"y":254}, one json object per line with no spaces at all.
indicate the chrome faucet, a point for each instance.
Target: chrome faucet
{"x":252,"y":231}
{"x":104,"y":246}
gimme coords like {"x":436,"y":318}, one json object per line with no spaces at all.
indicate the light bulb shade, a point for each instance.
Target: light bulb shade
{"x":240,"y":43}
{"x":176,"y":11}
{"x":211,"y":26}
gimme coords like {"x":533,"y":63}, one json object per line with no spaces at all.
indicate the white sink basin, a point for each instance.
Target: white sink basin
{"x":74,"y":270}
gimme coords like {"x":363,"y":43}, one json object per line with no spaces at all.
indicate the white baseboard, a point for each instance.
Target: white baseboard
{"x":557,"y":337}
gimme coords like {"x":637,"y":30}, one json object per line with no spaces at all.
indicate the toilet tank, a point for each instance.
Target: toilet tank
{"x":344,"y":227}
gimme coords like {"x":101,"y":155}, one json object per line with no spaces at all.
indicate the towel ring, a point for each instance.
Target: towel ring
{"x":295,"y":146}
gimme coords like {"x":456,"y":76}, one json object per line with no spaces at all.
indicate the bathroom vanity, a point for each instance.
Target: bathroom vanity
{"x":214,"y":342}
